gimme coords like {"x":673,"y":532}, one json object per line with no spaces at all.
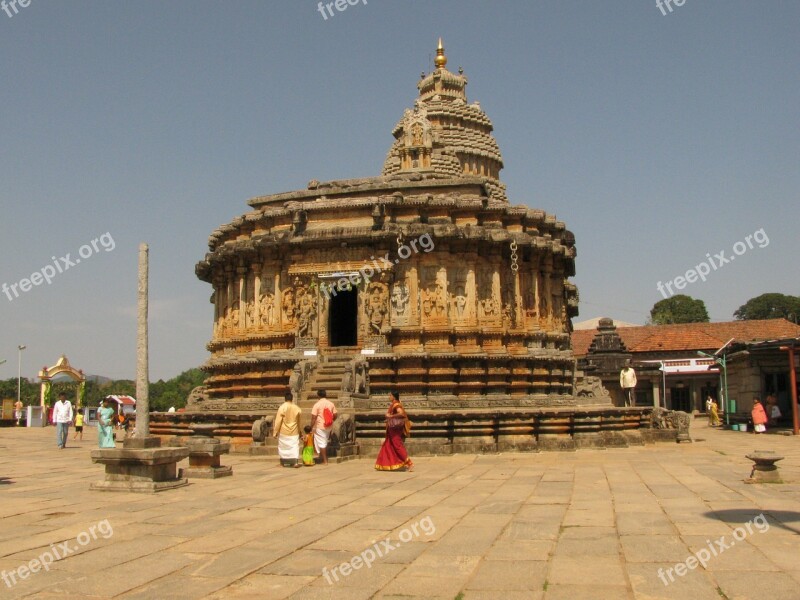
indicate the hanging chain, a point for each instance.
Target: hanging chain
{"x":514,"y":265}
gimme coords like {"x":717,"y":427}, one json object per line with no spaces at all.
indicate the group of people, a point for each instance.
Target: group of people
{"x":760,"y":415}
{"x":712,"y":408}
{"x":763,"y":416}
{"x":64,"y":415}
{"x":316,"y":436}
{"x":286,"y":428}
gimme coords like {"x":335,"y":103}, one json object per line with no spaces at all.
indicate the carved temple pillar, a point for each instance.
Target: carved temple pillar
{"x":535,"y":289}
{"x":256,"y":319}
{"x":229,"y":275}
{"x":547,"y":292}
{"x":242,"y":281}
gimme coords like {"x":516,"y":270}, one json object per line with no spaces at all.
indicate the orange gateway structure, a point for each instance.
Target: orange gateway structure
{"x":425,"y":280}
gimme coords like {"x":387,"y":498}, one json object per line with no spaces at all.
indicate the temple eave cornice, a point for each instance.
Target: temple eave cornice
{"x":351,"y":187}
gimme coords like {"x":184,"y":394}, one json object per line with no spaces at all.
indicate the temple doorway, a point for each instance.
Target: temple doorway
{"x":343,"y":318}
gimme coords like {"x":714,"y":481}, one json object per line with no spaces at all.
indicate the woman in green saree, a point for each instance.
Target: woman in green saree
{"x":105,"y":426}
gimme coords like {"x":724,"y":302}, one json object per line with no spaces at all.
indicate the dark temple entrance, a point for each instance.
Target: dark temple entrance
{"x":343,"y":318}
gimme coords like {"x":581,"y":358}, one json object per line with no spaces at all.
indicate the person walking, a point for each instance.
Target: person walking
{"x":759,"y":416}
{"x":78,"y":425}
{"x":287,"y":429}
{"x":62,"y":417}
{"x":18,"y":406}
{"x":323,"y":414}
{"x":105,"y":426}
{"x":393,"y":455}
{"x":714,"y":410}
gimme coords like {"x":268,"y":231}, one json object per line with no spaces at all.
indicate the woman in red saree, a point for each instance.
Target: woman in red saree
{"x":393,"y":455}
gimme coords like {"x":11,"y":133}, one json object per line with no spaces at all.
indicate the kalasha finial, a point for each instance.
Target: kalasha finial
{"x":441,"y":60}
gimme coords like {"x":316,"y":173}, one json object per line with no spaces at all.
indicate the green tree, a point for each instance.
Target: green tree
{"x":769,"y":306}
{"x":679,"y":309}
{"x":174,"y":392}
{"x":29,"y":390}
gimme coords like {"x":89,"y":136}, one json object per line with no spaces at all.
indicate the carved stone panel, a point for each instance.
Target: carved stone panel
{"x":459,"y":301}
{"x":267,"y":303}
{"x":432,"y":296}
{"x":306,"y":311}
{"x":376,"y":308}
{"x":488,"y":304}
{"x":400,"y":303}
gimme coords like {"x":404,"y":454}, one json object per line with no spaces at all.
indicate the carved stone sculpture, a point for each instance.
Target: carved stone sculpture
{"x":592,"y":387}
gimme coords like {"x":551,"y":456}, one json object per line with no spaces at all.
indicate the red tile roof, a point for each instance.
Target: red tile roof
{"x":690,"y":336}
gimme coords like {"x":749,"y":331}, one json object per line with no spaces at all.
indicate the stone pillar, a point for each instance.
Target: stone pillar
{"x":472,"y":291}
{"x":142,"y":370}
{"x":241,"y":271}
{"x":497,"y":291}
{"x":441,"y":281}
{"x":656,"y":393}
{"x":535,"y":287}
{"x":215,"y":329}
{"x":278,"y":310}
{"x":547,"y":292}
{"x":256,"y":324}
{"x":141,"y":465}
{"x":412,"y":280}
{"x":228,"y":296}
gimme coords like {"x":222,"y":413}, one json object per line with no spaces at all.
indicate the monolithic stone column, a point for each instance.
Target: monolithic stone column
{"x":142,"y":371}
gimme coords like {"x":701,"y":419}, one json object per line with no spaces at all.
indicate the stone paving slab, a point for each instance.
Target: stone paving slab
{"x":616,"y":523}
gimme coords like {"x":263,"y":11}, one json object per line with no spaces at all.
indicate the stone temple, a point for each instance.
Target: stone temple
{"x":425,"y":279}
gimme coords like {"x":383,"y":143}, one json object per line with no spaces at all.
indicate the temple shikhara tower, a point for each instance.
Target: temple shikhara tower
{"x":425,"y":279}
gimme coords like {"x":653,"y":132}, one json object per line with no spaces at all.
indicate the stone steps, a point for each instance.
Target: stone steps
{"x":328,"y":376}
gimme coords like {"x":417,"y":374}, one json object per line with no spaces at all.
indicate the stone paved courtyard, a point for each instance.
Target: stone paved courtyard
{"x":588,"y":524}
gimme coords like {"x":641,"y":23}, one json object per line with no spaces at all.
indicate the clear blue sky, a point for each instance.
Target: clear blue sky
{"x":657,"y":139}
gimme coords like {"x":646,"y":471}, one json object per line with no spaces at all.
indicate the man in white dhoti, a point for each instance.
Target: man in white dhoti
{"x":323,"y":414}
{"x":287,"y":429}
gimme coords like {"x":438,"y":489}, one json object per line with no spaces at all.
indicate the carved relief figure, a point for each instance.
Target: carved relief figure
{"x":416,"y":134}
{"x":458,"y":296}
{"x":250,"y":314}
{"x":307,"y":312}
{"x":233,"y":317}
{"x":460,"y":302}
{"x":400,"y":298}
{"x":487,"y":303}
{"x":439,"y":300}
{"x":288,"y":307}
{"x":267,"y":309}
{"x":376,"y":308}
{"x":509,"y":304}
